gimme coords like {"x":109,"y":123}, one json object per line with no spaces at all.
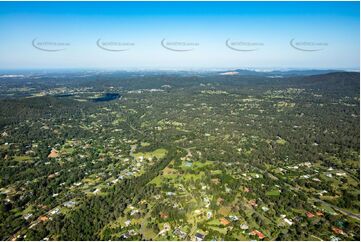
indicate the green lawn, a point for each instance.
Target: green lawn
{"x":21,"y":158}
{"x":274,"y":192}
{"x":158,"y":153}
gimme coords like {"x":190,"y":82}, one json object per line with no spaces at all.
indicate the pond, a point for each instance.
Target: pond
{"x":107,"y":97}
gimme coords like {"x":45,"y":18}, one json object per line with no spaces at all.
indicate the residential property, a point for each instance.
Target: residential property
{"x":258,"y":234}
{"x":199,"y":236}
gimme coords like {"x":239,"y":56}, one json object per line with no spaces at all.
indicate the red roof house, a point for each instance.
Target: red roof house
{"x":258,"y":233}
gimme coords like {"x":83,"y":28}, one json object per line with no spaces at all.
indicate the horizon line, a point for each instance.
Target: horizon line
{"x":256,"y":69}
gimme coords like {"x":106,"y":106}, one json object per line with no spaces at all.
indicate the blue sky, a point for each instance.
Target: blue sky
{"x":270,"y":25}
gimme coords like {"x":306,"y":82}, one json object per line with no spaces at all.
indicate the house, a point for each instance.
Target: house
{"x":244,"y":226}
{"x":220,"y":201}
{"x":51,"y":176}
{"x":298,"y":219}
{"x":180,"y":233}
{"x":334,"y":238}
{"x":265,"y":209}
{"x":125,"y":236}
{"x":134,"y":212}
{"x":341,"y":174}
{"x":27,"y":216}
{"x":197,"y":212}
{"x":310,"y":215}
{"x":69,"y":204}
{"x":258,"y":233}
{"x":166,"y":227}
{"x":163,"y":215}
{"x":319,"y":213}
{"x":199,"y":236}
{"x":43,"y":218}
{"x":322,"y":192}
{"x":224,"y":221}
{"x":54,"y":211}
{"x":289,"y":222}
{"x":233,"y":218}
{"x":53,"y":153}
{"x":206,"y":200}
{"x":337,"y":230}
{"x":127,"y":223}
{"x":246,"y":189}
{"x":252,"y":203}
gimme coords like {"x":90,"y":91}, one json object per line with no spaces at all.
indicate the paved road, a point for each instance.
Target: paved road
{"x":353,"y":215}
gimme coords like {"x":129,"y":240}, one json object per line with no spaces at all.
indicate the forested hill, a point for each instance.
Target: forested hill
{"x":31,"y":86}
{"x":345,"y":82}
{"x":20,"y":109}
{"x":338,"y":78}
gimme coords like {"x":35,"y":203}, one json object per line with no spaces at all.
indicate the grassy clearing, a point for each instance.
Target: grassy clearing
{"x":218,"y":229}
{"x":224,"y":210}
{"x":144,"y":144}
{"x":281,"y":141}
{"x":188,"y":177}
{"x":22,"y":158}
{"x":196,"y":164}
{"x":273,"y":193}
{"x":28,"y":209}
{"x":158,"y":153}
{"x":216,"y":172}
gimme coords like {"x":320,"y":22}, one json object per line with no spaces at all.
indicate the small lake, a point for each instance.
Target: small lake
{"x":107,"y":97}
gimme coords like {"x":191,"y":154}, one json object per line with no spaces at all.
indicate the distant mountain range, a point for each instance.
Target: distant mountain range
{"x":276,"y":73}
{"x":85,"y":74}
